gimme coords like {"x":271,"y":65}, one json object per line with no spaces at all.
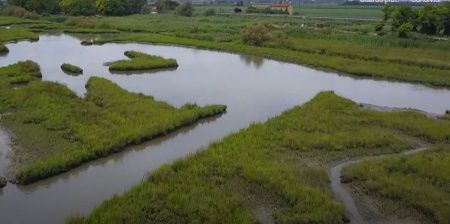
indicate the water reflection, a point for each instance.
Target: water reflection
{"x":252,"y":60}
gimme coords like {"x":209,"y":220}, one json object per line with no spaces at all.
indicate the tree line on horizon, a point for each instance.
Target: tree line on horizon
{"x":92,"y":7}
{"x":429,"y":19}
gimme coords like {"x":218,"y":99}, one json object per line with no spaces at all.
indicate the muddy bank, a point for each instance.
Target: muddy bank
{"x":342,"y":191}
{"x":399,"y":109}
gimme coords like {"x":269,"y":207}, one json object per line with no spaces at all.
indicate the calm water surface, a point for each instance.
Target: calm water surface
{"x":253,"y":88}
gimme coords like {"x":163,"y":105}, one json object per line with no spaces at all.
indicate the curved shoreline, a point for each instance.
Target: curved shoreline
{"x":343,"y":195}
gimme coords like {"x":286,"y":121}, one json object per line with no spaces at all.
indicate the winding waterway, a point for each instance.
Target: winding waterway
{"x":253,"y":88}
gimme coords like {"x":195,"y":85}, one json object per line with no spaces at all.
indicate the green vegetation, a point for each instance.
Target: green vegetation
{"x":78,"y":7}
{"x":319,"y":10}
{"x":82,"y":30}
{"x":141,"y":61}
{"x":8,"y":20}
{"x":3,"y":49}
{"x":209,"y":12}
{"x":185,"y":9}
{"x":265,"y":10}
{"x":2,"y":182}
{"x":15,"y":34}
{"x":166,"y":5}
{"x":417,"y":182}
{"x":19,"y":73}
{"x":18,"y":12}
{"x":55,"y":130}
{"x":280,"y":165}
{"x":255,"y":35}
{"x":429,"y":19}
{"x":71,"y":68}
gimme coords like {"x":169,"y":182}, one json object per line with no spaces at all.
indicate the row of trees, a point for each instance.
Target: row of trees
{"x":427,"y":20}
{"x":266,"y":10}
{"x":86,"y":7}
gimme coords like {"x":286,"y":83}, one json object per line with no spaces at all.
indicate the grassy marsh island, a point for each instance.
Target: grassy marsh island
{"x":56,"y":130}
{"x":415,"y":183}
{"x":141,"y":61}
{"x":71,"y":68}
{"x":279,"y":167}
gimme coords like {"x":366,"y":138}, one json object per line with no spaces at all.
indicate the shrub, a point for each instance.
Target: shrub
{"x":3,"y":49}
{"x":82,"y":21}
{"x":251,"y":9}
{"x":209,"y":12}
{"x":255,"y":34}
{"x":2,"y":182}
{"x":17,"y":11}
{"x":379,"y":27}
{"x":404,"y":30}
{"x":146,"y":9}
{"x":78,"y":7}
{"x":237,"y":10}
{"x":185,"y":9}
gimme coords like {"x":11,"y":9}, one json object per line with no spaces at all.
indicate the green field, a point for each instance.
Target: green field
{"x":55,"y":130}
{"x":280,"y":165}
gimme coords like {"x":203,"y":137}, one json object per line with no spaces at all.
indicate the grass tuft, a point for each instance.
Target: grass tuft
{"x":71,"y":68}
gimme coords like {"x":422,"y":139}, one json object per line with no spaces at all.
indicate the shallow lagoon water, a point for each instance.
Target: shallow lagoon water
{"x":253,"y":88}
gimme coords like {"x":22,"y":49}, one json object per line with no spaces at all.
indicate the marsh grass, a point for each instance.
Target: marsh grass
{"x":16,"y":34}
{"x":97,"y":30}
{"x":71,"y":68}
{"x":416,"y":182}
{"x":55,"y":130}
{"x":285,"y":158}
{"x":141,"y":61}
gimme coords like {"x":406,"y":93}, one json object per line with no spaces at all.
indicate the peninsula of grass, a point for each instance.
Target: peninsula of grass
{"x":55,"y":130}
{"x":279,"y":167}
{"x":416,"y":182}
{"x":73,"y":69}
{"x":141,"y":61}
{"x":16,"y":34}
